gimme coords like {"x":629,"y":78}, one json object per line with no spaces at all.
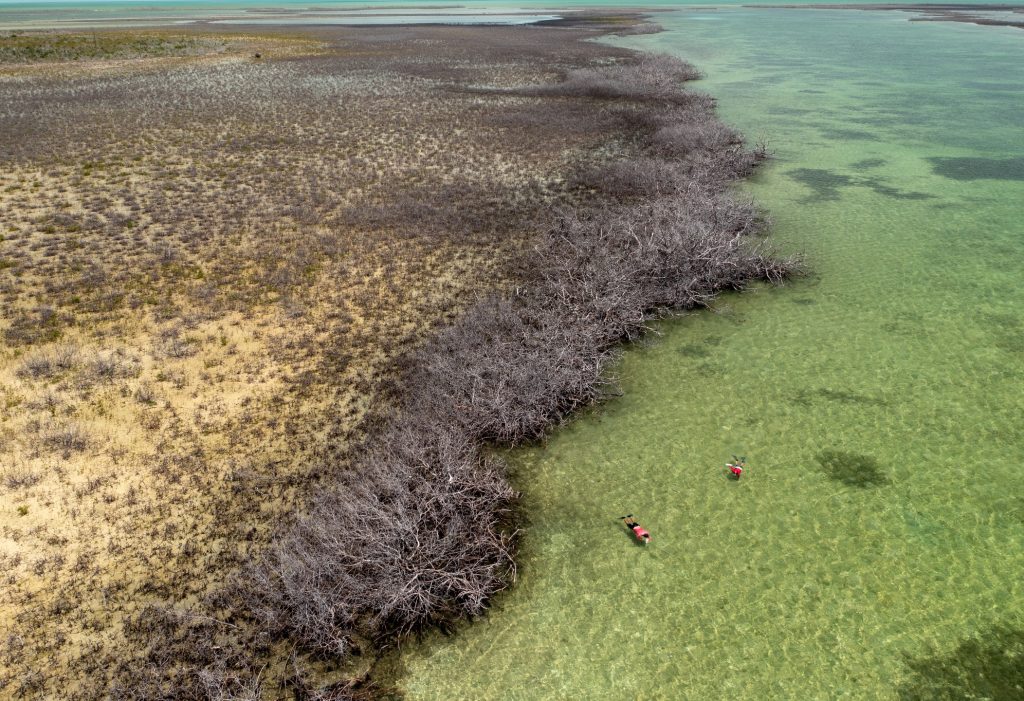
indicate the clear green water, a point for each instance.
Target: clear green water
{"x":903,"y":352}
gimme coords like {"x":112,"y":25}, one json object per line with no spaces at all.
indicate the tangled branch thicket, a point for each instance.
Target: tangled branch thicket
{"x":419,"y":531}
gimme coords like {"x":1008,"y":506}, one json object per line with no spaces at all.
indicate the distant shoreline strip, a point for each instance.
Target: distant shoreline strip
{"x":951,"y":12}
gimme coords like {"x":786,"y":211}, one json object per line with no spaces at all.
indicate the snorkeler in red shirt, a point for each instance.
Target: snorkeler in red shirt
{"x":632,"y":524}
{"x":736,"y":466}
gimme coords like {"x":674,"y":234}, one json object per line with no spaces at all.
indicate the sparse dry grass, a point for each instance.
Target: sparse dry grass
{"x":209,"y":265}
{"x":61,"y":55}
{"x":41,"y":46}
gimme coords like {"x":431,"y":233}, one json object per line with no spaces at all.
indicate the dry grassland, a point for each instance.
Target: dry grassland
{"x":209,"y":263}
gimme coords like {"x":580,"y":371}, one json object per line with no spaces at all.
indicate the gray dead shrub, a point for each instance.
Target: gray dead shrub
{"x":67,"y":438}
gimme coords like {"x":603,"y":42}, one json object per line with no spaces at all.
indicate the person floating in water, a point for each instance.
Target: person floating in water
{"x":736,"y":466}
{"x":632,"y":524}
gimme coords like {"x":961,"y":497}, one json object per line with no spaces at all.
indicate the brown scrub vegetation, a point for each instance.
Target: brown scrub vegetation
{"x":262,"y":317}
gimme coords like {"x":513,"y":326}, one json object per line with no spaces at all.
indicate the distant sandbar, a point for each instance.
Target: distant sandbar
{"x":949,"y":12}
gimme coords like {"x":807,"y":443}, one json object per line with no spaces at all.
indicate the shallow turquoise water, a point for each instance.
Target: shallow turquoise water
{"x":900,"y":176}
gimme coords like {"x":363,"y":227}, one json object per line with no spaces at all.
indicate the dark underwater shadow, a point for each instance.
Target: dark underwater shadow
{"x":852,"y":469}
{"x":976,"y":168}
{"x":806,"y":397}
{"x":990,"y":666}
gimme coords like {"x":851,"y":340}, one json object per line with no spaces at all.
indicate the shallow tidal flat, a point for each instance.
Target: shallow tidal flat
{"x":212,"y":252}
